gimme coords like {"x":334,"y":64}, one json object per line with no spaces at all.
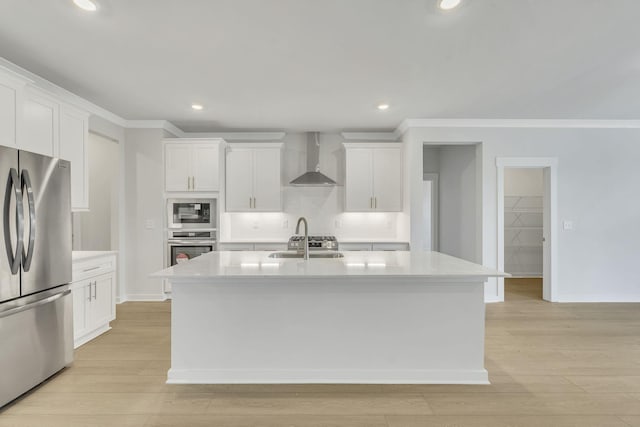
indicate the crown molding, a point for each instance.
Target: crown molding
{"x":238,"y":136}
{"x":516,"y":123}
{"x":369,"y":136}
{"x":59,"y":92}
{"x":155,"y":124}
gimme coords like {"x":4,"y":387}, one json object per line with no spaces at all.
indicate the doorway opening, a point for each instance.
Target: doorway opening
{"x":451,"y":199}
{"x":523,"y":232}
{"x":527,"y":227}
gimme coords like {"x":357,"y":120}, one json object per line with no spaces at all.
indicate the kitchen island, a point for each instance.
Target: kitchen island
{"x":369,"y":317}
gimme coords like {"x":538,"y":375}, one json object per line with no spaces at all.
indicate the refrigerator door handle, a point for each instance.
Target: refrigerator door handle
{"x":28,"y":255}
{"x":14,"y":258}
{"x":29,"y":306}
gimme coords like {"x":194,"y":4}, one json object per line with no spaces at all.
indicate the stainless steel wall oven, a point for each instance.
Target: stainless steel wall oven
{"x":185,"y":245}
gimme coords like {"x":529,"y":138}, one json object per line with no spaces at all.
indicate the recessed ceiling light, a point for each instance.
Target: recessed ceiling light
{"x":448,"y":4}
{"x":383,"y":106}
{"x":87,"y":5}
{"x":197,"y":107}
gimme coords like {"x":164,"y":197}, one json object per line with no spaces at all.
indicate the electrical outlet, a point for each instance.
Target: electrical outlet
{"x":338,"y":223}
{"x":255,"y":225}
{"x":149,"y":224}
{"x":285,"y":224}
{"x":567,"y":225}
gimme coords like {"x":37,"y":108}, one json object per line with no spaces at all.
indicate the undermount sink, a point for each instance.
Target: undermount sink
{"x":311,"y":255}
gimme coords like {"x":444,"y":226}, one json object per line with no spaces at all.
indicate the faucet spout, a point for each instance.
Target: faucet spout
{"x":306,"y":235}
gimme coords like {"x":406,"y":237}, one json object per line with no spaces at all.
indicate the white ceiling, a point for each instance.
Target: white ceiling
{"x":326,"y":64}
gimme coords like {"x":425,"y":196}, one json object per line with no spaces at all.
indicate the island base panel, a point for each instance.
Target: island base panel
{"x":400,"y":331}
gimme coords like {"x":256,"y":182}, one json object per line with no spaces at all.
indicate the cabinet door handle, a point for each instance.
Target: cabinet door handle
{"x":375,"y":203}
{"x":193,"y":182}
{"x":95,"y":290}
{"x":250,"y":202}
{"x":90,"y":296}
{"x":254,"y":203}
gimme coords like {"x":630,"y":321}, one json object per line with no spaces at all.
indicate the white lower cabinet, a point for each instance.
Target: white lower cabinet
{"x":374,"y":246}
{"x":252,"y":246}
{"x":93,"y":289}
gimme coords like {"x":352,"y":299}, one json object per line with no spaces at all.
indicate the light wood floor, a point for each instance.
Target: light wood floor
{"x":549,"y":365}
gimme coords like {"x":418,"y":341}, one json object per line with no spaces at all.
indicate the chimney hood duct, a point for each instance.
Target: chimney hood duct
{"x":313,"y":177}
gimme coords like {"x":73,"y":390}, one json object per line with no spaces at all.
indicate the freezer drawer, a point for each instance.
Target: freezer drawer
{"x":36,"y":341}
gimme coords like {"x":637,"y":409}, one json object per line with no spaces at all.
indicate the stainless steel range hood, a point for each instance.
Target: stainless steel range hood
{"x":313,"y":177}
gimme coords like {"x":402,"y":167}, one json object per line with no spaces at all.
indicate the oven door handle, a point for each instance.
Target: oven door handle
{"x":191,"y":242}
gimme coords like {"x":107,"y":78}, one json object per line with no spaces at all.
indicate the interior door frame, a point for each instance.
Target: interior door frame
{"x":549,"y":165}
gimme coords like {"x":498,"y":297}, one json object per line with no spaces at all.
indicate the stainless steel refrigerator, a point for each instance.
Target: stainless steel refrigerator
{"x":36,"y":329}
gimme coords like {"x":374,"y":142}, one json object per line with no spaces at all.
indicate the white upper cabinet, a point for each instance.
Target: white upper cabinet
{"x":205,"y":166}
{"x":34,"y":120}
{"x":253,"y":177}
{"x":10,"y":110}
{"x":373,"y":177}
{"x":192,"y":165}
{"x":239,"y":180}
{"x":387,"y":179}
{"x":74,"y":134}
{"x":177,"y":176}
{"x":41,"y":123}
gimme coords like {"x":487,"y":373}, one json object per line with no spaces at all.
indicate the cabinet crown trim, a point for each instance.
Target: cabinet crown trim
{"x":351,"y":145}
{"x":253,"y":145}
{"x":192,"y":140}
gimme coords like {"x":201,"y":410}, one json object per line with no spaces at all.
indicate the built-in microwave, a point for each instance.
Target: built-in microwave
{"x":191,"y":213}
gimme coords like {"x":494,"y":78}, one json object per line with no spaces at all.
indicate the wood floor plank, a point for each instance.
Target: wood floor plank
{"x":505,"y":421}
{"x":561,"y":365}
{"x":633,"y":421}
{"x":266,"y":421}
{"x":534,"y":404}
{"x":319,"y":404}
{"x":73,"y":420}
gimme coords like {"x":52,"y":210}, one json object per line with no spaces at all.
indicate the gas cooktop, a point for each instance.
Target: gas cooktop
{"x":316,"y":242}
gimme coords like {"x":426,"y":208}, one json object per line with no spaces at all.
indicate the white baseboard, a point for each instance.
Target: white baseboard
{"x":91,"y":335}
{"x":568,"y":298}
{"x":318,"y":376}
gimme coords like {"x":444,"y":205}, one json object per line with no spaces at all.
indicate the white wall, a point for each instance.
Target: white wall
{"x":144,"y":209}
{"x":97,"y":230}
{"x":597,"y":189}
{"x":322,"y":206}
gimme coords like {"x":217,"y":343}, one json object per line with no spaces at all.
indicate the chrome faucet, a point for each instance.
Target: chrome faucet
{"x":306,"y":235}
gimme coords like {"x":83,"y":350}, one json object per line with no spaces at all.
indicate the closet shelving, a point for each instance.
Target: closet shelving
{"x":523,"y":236}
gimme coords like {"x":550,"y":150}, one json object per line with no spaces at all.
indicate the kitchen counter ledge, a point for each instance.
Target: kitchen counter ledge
{"x":427,"y":266}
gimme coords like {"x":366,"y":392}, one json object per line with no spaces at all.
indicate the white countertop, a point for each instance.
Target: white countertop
{"x":244,"y":264}
{"x":85,"y":255}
